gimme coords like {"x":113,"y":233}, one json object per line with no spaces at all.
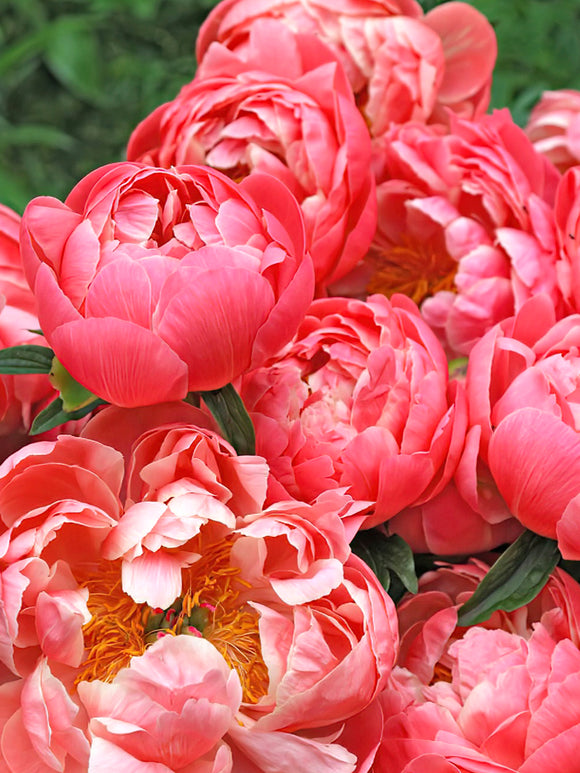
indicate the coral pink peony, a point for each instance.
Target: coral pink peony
{"x":467,"y":219}
{"x":231,"y":22}
{"x":522,"y":387}
{"x":400,"y":64}
{"x":554,"y":127}
{"x":225,"y":674}
{"x":360,"y":399}
{"x":498,"y":699}
{"x":145,"y":271}
{"x":293,"y":116}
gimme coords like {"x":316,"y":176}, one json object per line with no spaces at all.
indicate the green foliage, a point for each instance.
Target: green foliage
{"x":235,"y":424}
{"x":27,"y":358}
{"x":515,"y":579}
{"x":76,"y":76}
{"x":390,"y":558}
{"x":54,"y":415}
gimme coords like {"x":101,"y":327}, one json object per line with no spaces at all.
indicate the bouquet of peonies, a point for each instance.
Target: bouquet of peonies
{"x":290,"y":436}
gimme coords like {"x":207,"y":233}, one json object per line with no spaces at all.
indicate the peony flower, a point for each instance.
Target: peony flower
{"x":466,"y":225}
{"x":500,"y":698}
{"x":522,"y":385}
{"x":231,"y":22}
{"x":360,"y":399}
{"x":145,"y":271}
{"x":292,"y":116}
{"x":225,"y":675}
{"x":401,"y":65}
{"x":554,"y":127}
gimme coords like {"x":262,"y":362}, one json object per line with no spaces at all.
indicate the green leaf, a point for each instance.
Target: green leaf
{"x":34,"y":135}
{"x":72,"y":55}
{"x":13,"y":193}
{"x":54,"y":415}
{"x":28,"y":358}
{"x":386,"y":555}
{"x":233,"y":420}
{"x":516,"y":578}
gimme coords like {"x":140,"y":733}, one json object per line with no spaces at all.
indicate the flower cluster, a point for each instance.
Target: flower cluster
{"x":305,"y":369}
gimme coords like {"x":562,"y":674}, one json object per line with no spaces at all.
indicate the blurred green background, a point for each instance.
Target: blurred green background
{"x":76,"y":76}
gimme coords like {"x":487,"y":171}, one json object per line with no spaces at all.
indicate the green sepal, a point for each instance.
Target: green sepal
{"x":28,"y":358}
{"x":54,"y":414}
{"x":515,"y":579}
{"x":390,"y":558}
{"x":74,"y":396}
{"x":458,"y":367}
{"x":232,"y":418}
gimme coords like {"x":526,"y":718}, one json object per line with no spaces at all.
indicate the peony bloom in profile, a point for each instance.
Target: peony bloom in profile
{"x":360,"y":399}
{"x":554,"y":127}
{"x":402,"y":65}
{"x":291,"y":115}
{"x":522,"y":389}
{"x":466,"y":225}
{"x":146,"y":271}
{"x":500,"y":698}
{"x":195,"y":630}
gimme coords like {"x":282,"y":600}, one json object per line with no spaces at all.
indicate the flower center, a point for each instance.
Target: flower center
{"x":413,"y":268}
{"x":441,"y":673}
{"x":211,"y":607}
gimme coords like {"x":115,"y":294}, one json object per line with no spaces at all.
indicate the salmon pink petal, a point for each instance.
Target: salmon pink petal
{"x":536,"y":485}
{"x":568,"y":530}
{"x":285,"y":315}
{"x":107,"y":756}
{"x":132,"y":299}
{"x":60,"y":310}
{"x":80,"y":259}
{"x":121,"y":362}
{"x":279,"y":206}
{"x":286,"y":753}
{"x":48,"y":714}
{"x":59,"y":620}
{"x":558,"y":753}
{"x":211,"y":324}
{"x":155,"y":578}
{"x":470,"y":48}
{"x":52,"y":223}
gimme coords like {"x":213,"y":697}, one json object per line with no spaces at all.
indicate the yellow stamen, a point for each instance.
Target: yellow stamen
{"x":413,"y":268}
{"x":114,"y":634}
{"x":211,"y":606}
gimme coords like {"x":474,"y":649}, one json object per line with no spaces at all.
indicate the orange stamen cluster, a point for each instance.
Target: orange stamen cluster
{"x":232,"y":626}
{"x":413,"y":268}
{"x":114,"y":634}
{"x":211,"y":606}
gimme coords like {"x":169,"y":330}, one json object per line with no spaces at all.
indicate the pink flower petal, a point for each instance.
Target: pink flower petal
{"x":120,"y":361}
